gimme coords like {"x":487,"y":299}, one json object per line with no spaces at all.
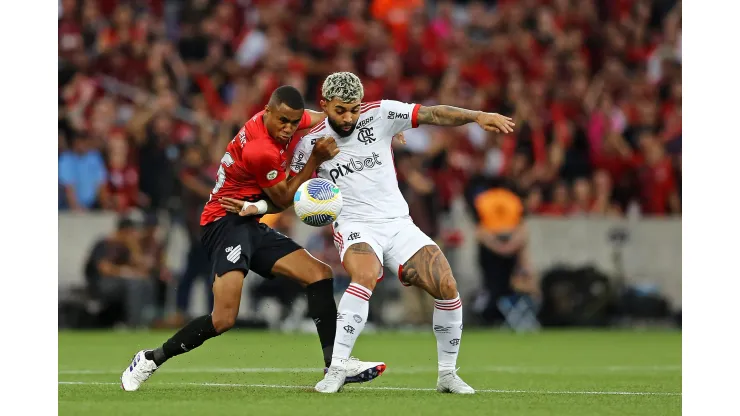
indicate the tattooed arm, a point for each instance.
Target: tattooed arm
{"x":446,"y":115}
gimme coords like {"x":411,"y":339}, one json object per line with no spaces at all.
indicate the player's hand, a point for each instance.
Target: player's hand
{"x":325,"y":149}
{"x":496,"y":123}
{"x":235,"y":206}
{"x":400,"y":138}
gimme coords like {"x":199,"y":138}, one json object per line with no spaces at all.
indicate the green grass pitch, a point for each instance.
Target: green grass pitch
{"x":262,"y":373}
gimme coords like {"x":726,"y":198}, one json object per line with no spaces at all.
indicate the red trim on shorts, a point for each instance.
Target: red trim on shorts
{"x":400,"y":272}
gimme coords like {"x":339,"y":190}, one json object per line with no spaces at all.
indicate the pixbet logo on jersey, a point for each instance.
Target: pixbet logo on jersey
{"x":354,"y":165}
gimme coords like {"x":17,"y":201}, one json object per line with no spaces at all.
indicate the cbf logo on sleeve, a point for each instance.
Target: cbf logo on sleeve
{"x":354,"y":165}
{"x":365,"y":135}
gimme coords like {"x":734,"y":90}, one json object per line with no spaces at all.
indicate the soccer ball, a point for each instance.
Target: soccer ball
{"x":317,"y":202}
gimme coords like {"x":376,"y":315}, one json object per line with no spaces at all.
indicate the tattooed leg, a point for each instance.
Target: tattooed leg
{"x":362,"y":264}
{"x":429,"y":270}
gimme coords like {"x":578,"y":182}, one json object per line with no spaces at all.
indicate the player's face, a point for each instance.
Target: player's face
{"x":342,"y":116}
{"x":282,"y":122}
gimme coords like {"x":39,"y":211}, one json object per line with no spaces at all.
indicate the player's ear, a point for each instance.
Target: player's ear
{"x":323,"y":104}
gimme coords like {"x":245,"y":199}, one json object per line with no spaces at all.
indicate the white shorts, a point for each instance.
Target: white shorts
{"x":394,"y":241}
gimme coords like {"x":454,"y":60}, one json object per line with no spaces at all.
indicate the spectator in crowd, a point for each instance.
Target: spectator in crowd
{"x":157,"y":156}
{"x":559,"y":204}
{"x":603,"y":201}
{"x":123,"y":174}
{"x":121,"y":275}
{"x":196,"y":184}
{"x":153,"y":259}
{"x":502,"y":249}
{"x":82,"y":177}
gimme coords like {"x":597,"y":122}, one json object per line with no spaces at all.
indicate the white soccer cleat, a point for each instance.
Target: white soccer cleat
{"x":449,"y":382}
{"x":333,"y":380}
{"x":361,"y":372}
{"x":137,"y":372}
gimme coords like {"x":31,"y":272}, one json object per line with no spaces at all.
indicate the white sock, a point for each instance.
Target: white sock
{"x":351,"y":316}
{"x":448,"y":325}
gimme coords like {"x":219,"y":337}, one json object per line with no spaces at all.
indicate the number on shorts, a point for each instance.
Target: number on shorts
{"x":227,"y":160}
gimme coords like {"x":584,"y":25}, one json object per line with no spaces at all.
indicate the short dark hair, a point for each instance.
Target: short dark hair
{"x":289,"y":96}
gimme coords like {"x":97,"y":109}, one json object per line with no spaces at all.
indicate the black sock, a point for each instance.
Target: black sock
{"x":191,"y":336}
{"x":323,"y":311}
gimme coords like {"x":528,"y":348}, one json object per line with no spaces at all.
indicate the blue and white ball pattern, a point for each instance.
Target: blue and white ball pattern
{"x":318,"y":202}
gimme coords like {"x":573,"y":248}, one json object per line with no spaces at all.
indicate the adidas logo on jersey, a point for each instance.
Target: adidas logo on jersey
{"x":354,"y":165}
{"x":364,"y":122}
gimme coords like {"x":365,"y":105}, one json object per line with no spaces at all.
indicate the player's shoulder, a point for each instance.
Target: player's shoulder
{"x":259,"y":148}
{"x":370,"y":107}
{"x":309,"y":139}
{"x":254,"y":128}
{"x":394,"y":109}
{"x":320,"y":129}
{"x":385,"y":110}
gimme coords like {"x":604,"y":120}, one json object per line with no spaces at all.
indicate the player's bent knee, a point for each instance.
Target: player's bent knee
{"x":321,"y":271}
{"x":223,"y":320}
{"x":316,"y":272}
{"x":224,"y":315}
{"x":326,"y":272}
{"x":227,"y":291}
{"x":448,"y":288}
{"x":365,"y":279}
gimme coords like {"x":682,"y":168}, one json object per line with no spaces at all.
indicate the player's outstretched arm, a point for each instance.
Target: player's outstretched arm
{"x":447,"y":115}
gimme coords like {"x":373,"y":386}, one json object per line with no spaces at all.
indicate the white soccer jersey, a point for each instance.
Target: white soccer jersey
{"x":363,"y":170}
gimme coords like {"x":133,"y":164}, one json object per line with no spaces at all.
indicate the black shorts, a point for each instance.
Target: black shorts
{"x":242,"y":243}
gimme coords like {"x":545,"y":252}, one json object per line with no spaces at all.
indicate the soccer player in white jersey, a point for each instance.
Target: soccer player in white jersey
{"x":374,"y":228}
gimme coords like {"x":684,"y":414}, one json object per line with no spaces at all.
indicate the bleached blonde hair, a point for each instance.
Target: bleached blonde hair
{"x":345,"y":86}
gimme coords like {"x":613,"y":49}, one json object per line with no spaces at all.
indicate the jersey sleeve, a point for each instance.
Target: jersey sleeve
{"x":265,"y":166}
{"x":399,"y":116}
{"x":301,"y":153}
{"x":305,"y":121}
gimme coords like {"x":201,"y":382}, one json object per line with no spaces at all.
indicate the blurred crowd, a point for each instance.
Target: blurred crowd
{"x":150,"y":92}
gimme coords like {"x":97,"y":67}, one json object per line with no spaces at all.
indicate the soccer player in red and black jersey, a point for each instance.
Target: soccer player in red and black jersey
{"x":253,"y":170}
